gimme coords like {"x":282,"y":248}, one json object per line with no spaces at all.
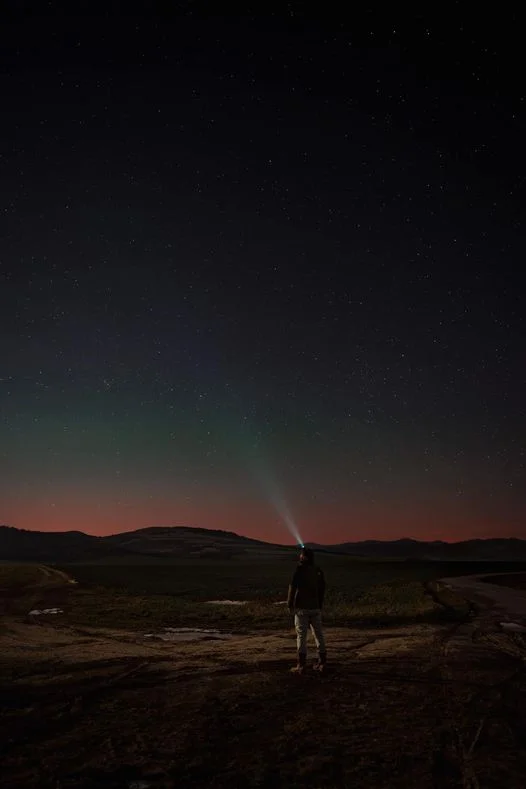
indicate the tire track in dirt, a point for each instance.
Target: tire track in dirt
{"x":451,"y":763}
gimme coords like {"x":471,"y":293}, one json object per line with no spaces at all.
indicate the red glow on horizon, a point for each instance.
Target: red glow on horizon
{"x":322,"y":524}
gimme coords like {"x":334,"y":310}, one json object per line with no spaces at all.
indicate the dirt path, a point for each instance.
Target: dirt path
{"x":500,"y":603}
{"x":103,"y":708}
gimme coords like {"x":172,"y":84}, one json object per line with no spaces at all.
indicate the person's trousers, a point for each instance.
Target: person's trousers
{"x":304,"y":619}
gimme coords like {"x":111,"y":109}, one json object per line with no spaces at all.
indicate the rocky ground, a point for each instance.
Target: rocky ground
{"x":415,"y":706}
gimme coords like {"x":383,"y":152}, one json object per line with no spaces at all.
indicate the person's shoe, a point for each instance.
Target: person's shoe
{"x":321,"y":663}
{"x":299,"y":669}
{"x":301,"y":665}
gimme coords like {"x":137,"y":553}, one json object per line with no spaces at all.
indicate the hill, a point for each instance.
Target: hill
{"x":496,"y":549}
{"x":23,"y":545}
{"x":163,"y":541}
{"x":191,"y":542}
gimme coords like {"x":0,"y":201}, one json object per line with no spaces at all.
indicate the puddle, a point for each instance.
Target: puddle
{"x":189,"y":634}
{"x":513,"y":627}
{"x":37,"y":612}
{"x":237,"y":602}
{"x":226,"y":602}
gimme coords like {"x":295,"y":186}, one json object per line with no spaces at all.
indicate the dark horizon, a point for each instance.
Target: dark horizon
{"x":263,"y":268}
{"x":238,"y":534}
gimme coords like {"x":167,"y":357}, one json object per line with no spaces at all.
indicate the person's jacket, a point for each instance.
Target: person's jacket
{"x":307,"y":587}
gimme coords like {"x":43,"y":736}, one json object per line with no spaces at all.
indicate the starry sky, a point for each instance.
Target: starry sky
{"x":262,"y":264}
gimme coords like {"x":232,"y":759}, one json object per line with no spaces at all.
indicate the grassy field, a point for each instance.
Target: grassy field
{"x":359,"y":592}
{"x":159,"y":592}
{"x":251,"y":578}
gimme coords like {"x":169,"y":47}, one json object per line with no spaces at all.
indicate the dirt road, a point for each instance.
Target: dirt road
{"x":500,"y":603}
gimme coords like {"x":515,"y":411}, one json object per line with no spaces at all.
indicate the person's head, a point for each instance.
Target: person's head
{"x":306,"y":556}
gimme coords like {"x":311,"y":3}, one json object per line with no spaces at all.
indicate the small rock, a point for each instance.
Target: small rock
{"x":513,"y":627}
{"x":37,"y":612}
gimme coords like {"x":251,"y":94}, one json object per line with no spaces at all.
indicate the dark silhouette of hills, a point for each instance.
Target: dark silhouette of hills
{"x":185,"y":541}
{"x":163,"y":541}
{"x":189,"y":541}
{"x":492,"y":549}
{"x":40,"y":546}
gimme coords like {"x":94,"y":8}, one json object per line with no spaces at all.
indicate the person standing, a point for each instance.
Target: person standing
{"x":305,"y":601}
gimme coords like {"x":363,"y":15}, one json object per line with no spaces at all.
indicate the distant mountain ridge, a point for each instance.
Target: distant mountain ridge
{"x":195,"y":542}
{"x":38,"y":546}
{"x":162,"y":541}
{"x":491,"y":549}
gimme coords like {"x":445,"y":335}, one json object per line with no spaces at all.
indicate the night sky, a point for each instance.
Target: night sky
{"x":263,"y":261}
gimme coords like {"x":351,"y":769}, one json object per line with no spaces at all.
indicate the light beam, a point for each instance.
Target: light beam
{"x":277,"y":500}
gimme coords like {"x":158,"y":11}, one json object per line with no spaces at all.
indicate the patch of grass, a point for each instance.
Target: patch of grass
{"x":380,"y":606}
{"x":16,"y":576}
{"x":453,"y":606}
{"x":173,"y":593}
